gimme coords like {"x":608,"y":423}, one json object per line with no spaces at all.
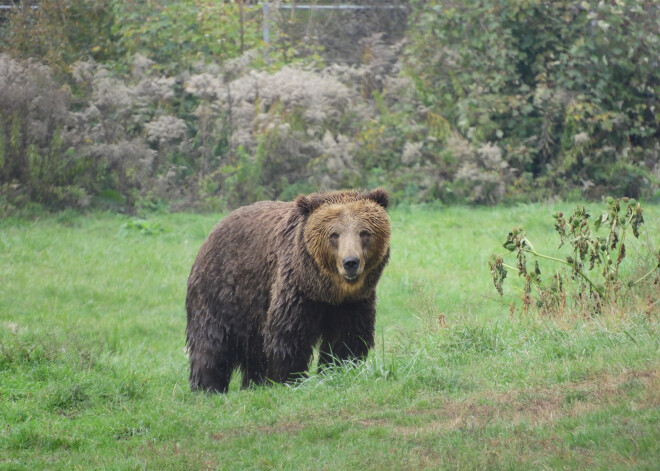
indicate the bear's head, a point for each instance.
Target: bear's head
{"x":348,"y":235}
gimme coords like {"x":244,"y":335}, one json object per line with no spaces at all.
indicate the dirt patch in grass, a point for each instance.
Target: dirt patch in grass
{"x":538,"y":406}
{"x":533,"y":406}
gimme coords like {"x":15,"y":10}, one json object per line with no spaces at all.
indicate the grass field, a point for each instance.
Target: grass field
{"x":93,"y":373}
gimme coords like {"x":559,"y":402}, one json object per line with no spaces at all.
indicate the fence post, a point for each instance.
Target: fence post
{"x":265,"y":8}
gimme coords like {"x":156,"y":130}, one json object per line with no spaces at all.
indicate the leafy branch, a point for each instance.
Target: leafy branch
{"x":591,"y":254}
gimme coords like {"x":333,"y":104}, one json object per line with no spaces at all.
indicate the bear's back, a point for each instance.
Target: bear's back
{"x":245,"y":236}
{"x":237,"y":261}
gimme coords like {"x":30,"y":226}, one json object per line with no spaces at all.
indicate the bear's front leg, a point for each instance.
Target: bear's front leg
{"x":211,"y":355}
{"x":287,"y":364}
{"x":290,"y":332}
{"x":347,"y":333}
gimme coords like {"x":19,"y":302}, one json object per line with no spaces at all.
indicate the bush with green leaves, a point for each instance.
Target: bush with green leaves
{"x":58,"y":32}
{"x":176,"y":34}
{"x":567,"y":90}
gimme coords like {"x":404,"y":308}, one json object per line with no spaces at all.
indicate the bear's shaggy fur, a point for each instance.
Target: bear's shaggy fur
{"x":273,"y":278}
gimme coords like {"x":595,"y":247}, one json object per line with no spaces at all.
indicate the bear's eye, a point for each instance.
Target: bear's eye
{"x":334,"y":236}
{"x":365,"y":234}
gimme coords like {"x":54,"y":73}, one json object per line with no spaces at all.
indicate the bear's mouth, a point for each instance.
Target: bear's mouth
{"x":351,"y":277}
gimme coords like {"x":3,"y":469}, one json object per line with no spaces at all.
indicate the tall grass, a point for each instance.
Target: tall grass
{"x":93,"y":374}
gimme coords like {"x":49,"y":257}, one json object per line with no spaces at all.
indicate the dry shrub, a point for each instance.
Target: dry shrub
{"x":483,"y":175}
{"x":36,"y":162}
{"x":222,"y":136}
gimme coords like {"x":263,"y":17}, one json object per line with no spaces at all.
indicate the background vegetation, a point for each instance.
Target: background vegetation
{"x":146,"y":107}
{"x":93,"y":373}
{"x":132,"y":105}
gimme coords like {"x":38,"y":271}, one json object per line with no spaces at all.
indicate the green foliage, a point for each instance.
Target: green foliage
{"x":485,"y":101}
{"x":176,"y":34}
{"x":404,"y":150}
{"x":242,"y":181}
{"x":567,"y":89}
{"x":59,"y":31}
{"x":141,"y":226}
{"x":590,"y":254}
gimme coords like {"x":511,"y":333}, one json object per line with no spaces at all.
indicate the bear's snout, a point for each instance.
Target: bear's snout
{"x":351,"y":264}
{"x":351,"y":268}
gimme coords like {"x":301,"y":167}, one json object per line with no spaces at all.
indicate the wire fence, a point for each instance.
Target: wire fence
{"x":267,"y":11}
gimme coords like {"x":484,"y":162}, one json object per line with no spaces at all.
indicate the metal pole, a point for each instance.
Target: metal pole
{"x":265,"y":8}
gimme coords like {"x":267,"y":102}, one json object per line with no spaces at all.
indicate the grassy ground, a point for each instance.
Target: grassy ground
{"x":93,"y":373}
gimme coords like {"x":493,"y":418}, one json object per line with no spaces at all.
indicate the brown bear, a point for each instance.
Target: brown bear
{"x":274,"y":278}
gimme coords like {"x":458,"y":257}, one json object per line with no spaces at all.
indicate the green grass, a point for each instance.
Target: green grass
{"x":93,"y":373}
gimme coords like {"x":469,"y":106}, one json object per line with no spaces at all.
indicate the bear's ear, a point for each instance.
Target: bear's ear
{"x":307,"y":204}
{"x":380,"y":197}
{"x":303,"y":204}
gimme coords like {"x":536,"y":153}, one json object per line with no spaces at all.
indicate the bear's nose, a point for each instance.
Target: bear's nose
{"x":351,"y":264}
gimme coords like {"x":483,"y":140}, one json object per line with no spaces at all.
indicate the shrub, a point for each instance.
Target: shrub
{"x":37,"y":162}
{"x":177,"y":34}
{"x":567,"y":90}
{"x":58,"y":32}
{"x":177,"y":102}
{"x":290,"y":122}
{"x":596,"y":279}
